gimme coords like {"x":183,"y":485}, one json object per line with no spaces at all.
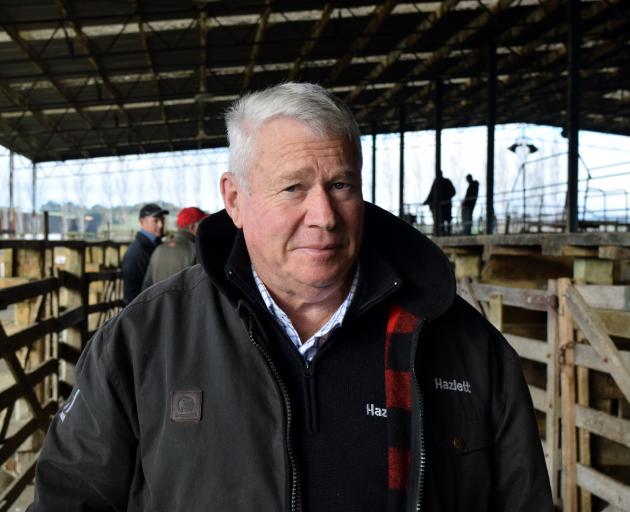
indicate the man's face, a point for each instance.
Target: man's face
{"x":153,"y":225}
{"x":302,"y":216}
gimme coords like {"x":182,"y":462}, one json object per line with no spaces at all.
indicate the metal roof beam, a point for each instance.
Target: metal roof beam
{"x":87,"y":46}
{"x":203,"y":74}
{"x":149,"y":59}
{"x":381,"y":12}
{"x":480,"y":22}
{"x":253,"y":57}
{"x":229,"y":20}
{"x":22,"y":101}
{"x":308,"y":46}
{"x":549,"y":59}
{"x":408,"y":41}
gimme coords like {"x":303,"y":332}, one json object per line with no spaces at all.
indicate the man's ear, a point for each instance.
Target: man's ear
{"x":231,"y":192}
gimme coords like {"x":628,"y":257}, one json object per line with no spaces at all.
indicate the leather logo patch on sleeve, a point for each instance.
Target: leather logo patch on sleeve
{"x":186,"y":405}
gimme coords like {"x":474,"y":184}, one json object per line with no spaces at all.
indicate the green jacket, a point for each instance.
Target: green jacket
{"x":170,"y":257}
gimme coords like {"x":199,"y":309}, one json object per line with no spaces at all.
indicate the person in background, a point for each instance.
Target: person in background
{"x":318,"y":359}
{"x":468,"y":204}
{"x":439,"y":201}
{"x":136,"y":258}
{"x":179,"y":252}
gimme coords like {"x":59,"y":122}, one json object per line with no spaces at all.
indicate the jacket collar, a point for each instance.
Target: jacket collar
{"x":395,"y":258}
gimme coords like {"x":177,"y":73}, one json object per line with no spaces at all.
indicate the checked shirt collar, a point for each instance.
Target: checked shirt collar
{"x":309,"y":348}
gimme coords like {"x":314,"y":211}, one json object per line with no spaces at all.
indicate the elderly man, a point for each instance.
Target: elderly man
{"x":179,"y":252}
{"x":136,"y":259}
{"x":317,"y":360}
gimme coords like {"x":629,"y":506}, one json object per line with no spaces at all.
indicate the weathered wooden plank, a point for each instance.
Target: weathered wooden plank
{"x":539,"y":398}
{"x":520,"y":297}
{"x":528,"y":348}
{"x":599,"y":339}
{"x":468,"y":265}
{"x":22,"y":292}
{"x":584,"y":437}
{"x":610,"y":508}
{"x":68,"y":353}
{"x":15,"y":367}
{"x":593,"y":270}
{"x":568,"y":398}
{"x":511,"y":250}
{"x":614,"y":322}
{"x":15,"y":488}
{"x":70,"y":317}
{"x":70,"y":281}
{"x":495,"y":310}
{"x":602,"y":424}
{"x":103,"y":275}
{"x":610,"y":490}
{"x":105,"y":306}
{"x":31,"y":334}
{"x":552,"y":413}
{"x":13,"y":443}
{"x":614,"y":252}
{"x":42,"y":371}
{"x":577,"y":251}
{"x":605,"y":296}
{"x":586,"y":356}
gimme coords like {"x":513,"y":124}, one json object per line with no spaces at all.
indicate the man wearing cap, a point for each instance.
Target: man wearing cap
{"x":136,"y":259}
{"x":178,"y":253}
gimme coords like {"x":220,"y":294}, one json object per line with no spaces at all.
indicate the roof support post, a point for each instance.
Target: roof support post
{"x":401,"y":183}
{"x":438,"y":127}
{"x":373,"y":164}
{"x":34,"y":199}
{"x":11,"y":171}
{"x":11,"y":202}
{"x":573,"y":113}
{"x":491,"y":120}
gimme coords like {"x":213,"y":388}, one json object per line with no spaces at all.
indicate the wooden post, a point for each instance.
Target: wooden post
{"x":31,"y":264}
{"x":495,"y":311}
{"x":567,"y":389}
{"x":75,"y":264}
{"x":584,"y":437}
{"x":552,"y":432}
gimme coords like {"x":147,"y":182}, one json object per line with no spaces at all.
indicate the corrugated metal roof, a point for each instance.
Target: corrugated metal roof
{"x":85,"y":79}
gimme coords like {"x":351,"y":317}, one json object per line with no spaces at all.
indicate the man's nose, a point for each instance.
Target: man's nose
{"x":320,"y":210}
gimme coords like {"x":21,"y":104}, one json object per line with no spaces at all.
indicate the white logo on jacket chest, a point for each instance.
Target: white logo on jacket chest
{"x":372,"y":410}
{"x":462,"y":386}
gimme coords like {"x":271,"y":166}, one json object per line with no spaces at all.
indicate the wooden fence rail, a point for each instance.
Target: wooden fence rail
{"x":55,"y":296}
{"x":580,"y":337}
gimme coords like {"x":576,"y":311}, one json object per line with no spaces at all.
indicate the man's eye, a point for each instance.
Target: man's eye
{"x":291,"y":188}
{"x":340,"y":185}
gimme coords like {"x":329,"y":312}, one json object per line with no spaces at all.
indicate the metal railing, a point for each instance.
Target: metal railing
{"x":536,"y":209}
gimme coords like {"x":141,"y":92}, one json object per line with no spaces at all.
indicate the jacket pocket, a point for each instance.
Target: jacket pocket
{"x":460,"y":435}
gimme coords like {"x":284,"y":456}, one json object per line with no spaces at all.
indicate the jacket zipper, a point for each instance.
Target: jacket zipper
{"x":295,"y":476}
{"x":420,"y":403}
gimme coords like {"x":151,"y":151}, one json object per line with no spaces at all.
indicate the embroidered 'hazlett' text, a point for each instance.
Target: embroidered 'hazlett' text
{"x":452,"y":385}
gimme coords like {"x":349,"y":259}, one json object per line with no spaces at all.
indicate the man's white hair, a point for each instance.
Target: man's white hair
{"x":322,"y":113}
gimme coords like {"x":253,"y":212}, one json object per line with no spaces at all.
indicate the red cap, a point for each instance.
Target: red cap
{"x":188,"y":216}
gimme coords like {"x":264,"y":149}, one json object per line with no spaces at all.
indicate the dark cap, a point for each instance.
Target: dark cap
{"x":152,"y":210}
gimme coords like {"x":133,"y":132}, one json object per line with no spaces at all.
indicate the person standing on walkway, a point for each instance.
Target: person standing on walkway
{"x":179,"y":252}
{"x":468,"y":204}
{"x":439,"y":201}
{"x":136,"y":259}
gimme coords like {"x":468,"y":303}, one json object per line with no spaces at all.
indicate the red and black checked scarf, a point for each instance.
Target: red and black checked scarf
{"x":401,"y":325}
